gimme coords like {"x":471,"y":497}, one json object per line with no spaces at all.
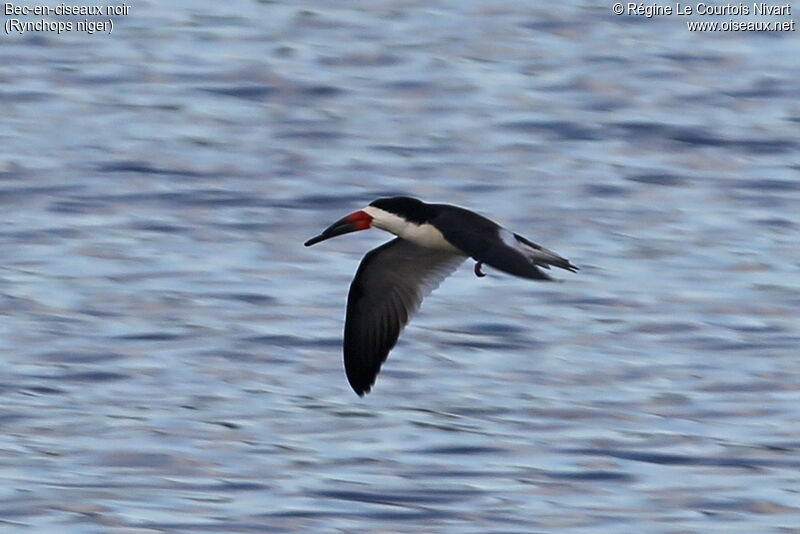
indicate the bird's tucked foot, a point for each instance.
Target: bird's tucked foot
{"x":478,"y":272}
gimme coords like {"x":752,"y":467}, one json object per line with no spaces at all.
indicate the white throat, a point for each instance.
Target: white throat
{"x":425,"y":235}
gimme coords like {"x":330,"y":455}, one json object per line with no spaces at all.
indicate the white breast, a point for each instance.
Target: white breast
{"x":425,"y":235}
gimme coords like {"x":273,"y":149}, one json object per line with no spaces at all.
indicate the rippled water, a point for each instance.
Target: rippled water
{"x":171,"y":354}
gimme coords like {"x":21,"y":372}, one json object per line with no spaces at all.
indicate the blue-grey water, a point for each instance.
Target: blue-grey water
{"x":171,"y":354}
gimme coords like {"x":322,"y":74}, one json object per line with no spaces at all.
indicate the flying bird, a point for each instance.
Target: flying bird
{"x":432,"y":241}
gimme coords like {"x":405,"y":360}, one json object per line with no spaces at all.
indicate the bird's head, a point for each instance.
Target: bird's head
{"x":390,"y":214}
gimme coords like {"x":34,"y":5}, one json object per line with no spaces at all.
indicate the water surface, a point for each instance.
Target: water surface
{"x":171,"y":353}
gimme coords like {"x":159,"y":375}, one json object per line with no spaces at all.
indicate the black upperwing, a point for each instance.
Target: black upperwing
{"x":488,"y":242}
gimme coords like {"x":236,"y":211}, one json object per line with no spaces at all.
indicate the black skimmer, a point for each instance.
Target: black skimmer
{"x":432,"y":241}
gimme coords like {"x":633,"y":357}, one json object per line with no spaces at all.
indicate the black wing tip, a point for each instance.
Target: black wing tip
{"x":360,"y":385}
{"x":562,"y":263}
{"x":567,"y":266}
{"x":360,"y":376}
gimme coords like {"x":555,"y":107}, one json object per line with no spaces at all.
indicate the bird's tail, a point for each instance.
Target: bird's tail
{"x":543,"y":257}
